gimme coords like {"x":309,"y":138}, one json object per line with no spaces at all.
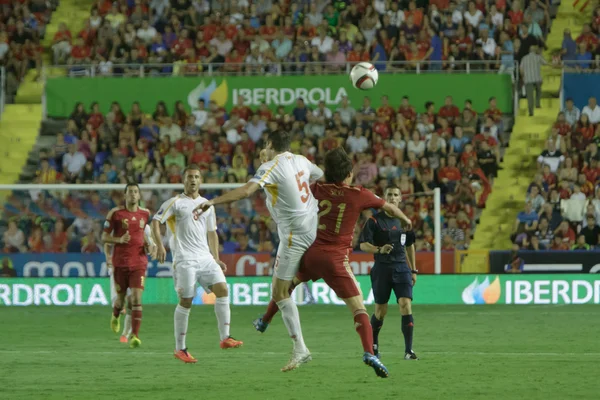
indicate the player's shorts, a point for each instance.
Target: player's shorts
{"x":291,"y":250}
{"x":126,"y":278}
{"x":331,"y":266}
{"x":385,"y":278}
{"x":113,"y":289}
{"x":187,"y":275}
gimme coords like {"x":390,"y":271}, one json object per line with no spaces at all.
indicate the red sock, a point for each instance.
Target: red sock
{"x":272,"y":308}
{"x":363,"y":328}
{"x":271,"y":311}
{"x":136,"y":319}
{"x":116,"y":312}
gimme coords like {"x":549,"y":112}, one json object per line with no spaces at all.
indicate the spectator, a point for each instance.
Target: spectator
{"x":170,"y":130}
{"x":526,"y":222}
{"x":535,"y":199}
{"x":455,"y":233}
{"x":255,"y":128}
{"x":592,"y":111}
{"x":544,"y":234}
{"x":581,"y":244}
{"x":7,"y":270}
{"x":516,"y":263}
{"x":591,"y":232}
{"x":551,"y":157}
{"x":531,"y":71}
{"x":572,"y":113}
{"x":72,"y":163}
{"x":569,"y":47}
{"x":14,"y":239}
{"x":565,"y":233}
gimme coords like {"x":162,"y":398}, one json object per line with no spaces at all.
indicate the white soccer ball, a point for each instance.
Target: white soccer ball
{"x":364,"y":76}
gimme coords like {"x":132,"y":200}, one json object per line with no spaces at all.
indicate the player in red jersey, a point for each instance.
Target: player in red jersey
{"x":124,"y":228}
{"x":340,"y":205}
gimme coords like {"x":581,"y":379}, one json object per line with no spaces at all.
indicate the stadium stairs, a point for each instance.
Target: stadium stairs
{"x":74,"y":13}
{"x":21,"y":122}
{"x":526,"y":143}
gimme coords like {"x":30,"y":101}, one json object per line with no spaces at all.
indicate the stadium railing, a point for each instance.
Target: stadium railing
{"x":275,"y":68}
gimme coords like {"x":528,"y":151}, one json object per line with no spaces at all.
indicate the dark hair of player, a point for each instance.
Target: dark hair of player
{"x":131,"y":185}
{"x":338,"y":165}
{"x":280,"y":141}
{"x":191,"y":167}
{"x":390,"y":188}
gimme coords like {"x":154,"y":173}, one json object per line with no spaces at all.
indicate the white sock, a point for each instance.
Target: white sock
{"x":127,"y":325}
{"x":223,"y":314}
{"x":291,"y":319}
{"x":182,"y":315}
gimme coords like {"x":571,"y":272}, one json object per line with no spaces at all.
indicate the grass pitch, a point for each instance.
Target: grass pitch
{"x":467,"y":352}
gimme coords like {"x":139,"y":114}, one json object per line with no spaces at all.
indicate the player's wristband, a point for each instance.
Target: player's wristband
{"x":414,"y":271}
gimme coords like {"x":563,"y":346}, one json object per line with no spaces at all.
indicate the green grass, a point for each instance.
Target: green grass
{"x":491,"y":352}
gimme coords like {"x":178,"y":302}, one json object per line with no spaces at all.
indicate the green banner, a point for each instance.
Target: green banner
{"x":63,"y":93}
{"x":430,"y":289}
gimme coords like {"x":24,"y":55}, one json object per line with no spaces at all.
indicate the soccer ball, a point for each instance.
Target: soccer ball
{"x":364,"y":76}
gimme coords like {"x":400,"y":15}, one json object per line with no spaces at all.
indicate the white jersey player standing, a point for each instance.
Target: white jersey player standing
{"x":286,"y":179}
{"x":195,"y":248}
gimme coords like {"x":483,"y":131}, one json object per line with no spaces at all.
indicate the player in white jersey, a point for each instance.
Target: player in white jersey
{"x":113,"y":290}
{"x":286,"y":179}
{"x":195,"y":247}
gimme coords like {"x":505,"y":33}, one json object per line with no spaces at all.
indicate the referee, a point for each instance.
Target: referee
{"x":394,"y":249}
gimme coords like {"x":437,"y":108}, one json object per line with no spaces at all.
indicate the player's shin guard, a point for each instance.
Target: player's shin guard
{"x":407,"y":331}
{"x":363,"y":328}
{"x":291,"y":319}
{"x":181,"y":318}
{"x":223,"y":314}
{"x":136,"y":319}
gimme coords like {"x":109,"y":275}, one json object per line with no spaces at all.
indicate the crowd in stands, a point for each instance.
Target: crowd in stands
{"x":583,"y":53}
{"x":22,"y":26}
{"x":445,"y":146}
{"x":257,"y":36}
{"x":562,"y":210}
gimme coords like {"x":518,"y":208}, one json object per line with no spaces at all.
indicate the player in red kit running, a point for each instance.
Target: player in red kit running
{"x":340,"y":206}
{"x":124,"y":228}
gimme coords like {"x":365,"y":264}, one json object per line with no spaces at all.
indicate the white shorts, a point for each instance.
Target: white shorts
{"x":290,"y":252}
{"x":113,"y":289}
{"x":187,"y":275}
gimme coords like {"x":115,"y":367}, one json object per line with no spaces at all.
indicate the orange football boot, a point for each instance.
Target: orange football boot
{"x":231,"y":343}
{"x":184,"y":356}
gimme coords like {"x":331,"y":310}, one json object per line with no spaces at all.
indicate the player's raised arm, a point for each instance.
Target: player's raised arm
{"x":396,"y":212}
{"x":236,"y":194}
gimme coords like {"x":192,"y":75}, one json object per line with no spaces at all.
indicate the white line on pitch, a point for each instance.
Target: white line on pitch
{"x":323,"y":355}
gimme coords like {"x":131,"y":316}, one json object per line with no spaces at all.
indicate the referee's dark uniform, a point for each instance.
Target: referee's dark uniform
{"x":391,"y":271}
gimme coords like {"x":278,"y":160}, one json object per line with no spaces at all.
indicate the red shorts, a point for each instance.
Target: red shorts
{"x":129,"y":278}
{"x":332,"y":267}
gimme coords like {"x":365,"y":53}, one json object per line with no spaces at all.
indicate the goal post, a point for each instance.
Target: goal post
{"x":33,"y":189}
